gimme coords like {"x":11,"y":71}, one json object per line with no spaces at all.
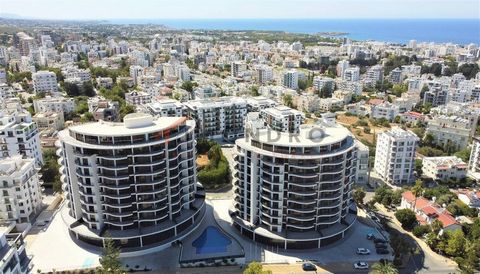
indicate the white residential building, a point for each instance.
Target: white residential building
{"x":135,"y":73}
{"x":450,"y":130}
{"x":474,"y":162}
{"x":221,"y":117}
{"x":290,"y":79}
{"x":54,"y":104}
{"x":362,"y":174}
{"x":166,"y":108}
{"x":138,"y":98}
{"x":49,"y":120}
{"x":470,"y":197}
{"x":308,"y":103}
{"x":20,"y":195}
{"x":341,"y":67}
{"x":294,"y":192}
{"x":395,"y":155}
{"x":282,"y":118}
{"x":385,"y":110}
{"x":396,"y":76}
{"x":329,"y":104}
{"x":263,"y":74}
{"x":19,"y":134}
{"x":183,"y":73}
{"x":105,"y":82}
{"x":352,"y":74}
{"x":444,"y":168}
{"x":44,"y":81}
{"x":238,"y":68}
{"x":324,"y":84}
{"x":255,"y":104}
{"x":13,"y":259}
{"x":375,"y":74}
{"x":134,"y":181}
{"x":206,"y":92}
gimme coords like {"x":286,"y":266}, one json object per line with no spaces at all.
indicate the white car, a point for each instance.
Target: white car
{"x":360,"y":265}
{"x":363,"y":251}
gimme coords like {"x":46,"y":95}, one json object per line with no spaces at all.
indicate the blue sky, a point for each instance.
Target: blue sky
{"x":214,"y":9}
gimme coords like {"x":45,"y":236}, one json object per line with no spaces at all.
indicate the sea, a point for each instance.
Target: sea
{"x":458,"y":31}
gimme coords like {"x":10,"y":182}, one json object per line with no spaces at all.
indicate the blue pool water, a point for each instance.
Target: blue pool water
{"x":212,"y":240}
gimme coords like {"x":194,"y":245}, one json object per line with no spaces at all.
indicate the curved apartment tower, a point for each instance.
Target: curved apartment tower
{"x":133,"y":181}
{"x":294,"y":190}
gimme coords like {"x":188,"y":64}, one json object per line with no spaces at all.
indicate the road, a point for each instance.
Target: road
{"x":425,"y":261}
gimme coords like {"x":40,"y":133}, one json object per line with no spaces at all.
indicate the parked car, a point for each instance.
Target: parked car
{"x":375,"y":218}
{"x":370,"y":236}
{"x":360,"y":265}
{"x":363,"y":251}
{"x":382,"y":251}
{"x":381,"y":245}
{"x":309,"y":267}
{"x":378,"y":240}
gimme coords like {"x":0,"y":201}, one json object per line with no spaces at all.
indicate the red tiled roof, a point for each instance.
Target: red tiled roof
{"x":421,"y":220}
{"x":375,"y":102}
{"x":421,"y":203}
{"x":408,"y":195}
{"x":430,"y":210}
{"x":446,"y":219}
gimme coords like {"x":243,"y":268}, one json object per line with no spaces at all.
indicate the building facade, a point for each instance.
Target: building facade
{"x":135,"y":180}
{"x":294,"y":191}
{"x":21,"y":194}
{"x":395,"y":156}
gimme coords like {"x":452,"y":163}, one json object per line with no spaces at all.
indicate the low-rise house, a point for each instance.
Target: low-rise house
{"x":105,"y":82}
{"x":469,"y":197}
{"x":103,"y":109}
{"x":166,"y":108}
{"x":328,"y":104}
{"x":412,"y":117}
{"x":385,"y":110}
{"x":444,"y":168}
{"x":49,"y":120}
{"x":138,"y":98}
{"x":428,"y":211}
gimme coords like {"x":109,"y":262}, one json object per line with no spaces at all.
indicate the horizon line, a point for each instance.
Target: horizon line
{"x":243,"y":18}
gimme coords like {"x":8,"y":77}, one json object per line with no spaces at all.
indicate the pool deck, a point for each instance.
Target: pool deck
{"x":189,"y":252}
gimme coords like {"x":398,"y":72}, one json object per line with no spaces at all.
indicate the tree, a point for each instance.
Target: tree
{"x":110,"y":259}
{"x":429,"y":140}
{"x":421,"y":230}
{"x":464,"y":154}
{"x":418,"y":167}
{"x":256,"y":268}
{"x":384,"y":267}
{"x":187,"y":85}
{"x":407,"y":218}
{"x":456,"y":243}
{"x":358,"y":195}
{"x":288,"y":100}
{"x":254,"y":91}
{"x":469,"y":70}
{"x":50,"y":170}
{"x":417,"y":190}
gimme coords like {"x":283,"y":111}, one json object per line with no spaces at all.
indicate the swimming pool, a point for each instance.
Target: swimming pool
{"x":212,"y":240}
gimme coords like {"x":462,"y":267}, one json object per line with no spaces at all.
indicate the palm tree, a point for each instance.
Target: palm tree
{"x":417,"y":190}
{"x":384,"y":267}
